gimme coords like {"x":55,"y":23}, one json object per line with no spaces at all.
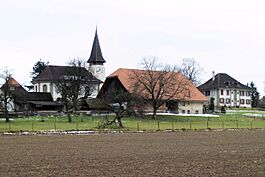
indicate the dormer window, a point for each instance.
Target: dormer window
{"x":12,"y":88}
{"x":207,"y":93}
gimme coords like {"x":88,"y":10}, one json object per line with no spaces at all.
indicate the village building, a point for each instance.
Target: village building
{"x":227,"y":91}
{"x":47,"y":80}
{"x":20,"y":100}
{"x":121,"y":81}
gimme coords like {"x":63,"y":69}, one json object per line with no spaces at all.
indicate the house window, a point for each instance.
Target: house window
{"x":44,"y":88}
{"x":183,"y":111}
{"x":183,"y":103}
{"x":247,"y":101}
{"x":228,"y":101}
{"x":242,"y":93}
{"x":222,"y":92}
{"x":227,"y":92}
{"x":188,"y":111}
{"x":12,"y":88}
{"x":242,"y":101}
{"x":221,"y":100}
{"x":196,"y":112}
{"x":36,"y":88}
{"x":207,"y":93}
{"x":248,"y":93}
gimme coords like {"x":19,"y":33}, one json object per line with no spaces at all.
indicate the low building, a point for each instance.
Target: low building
{"x":227,"y":91}
{"x":121,"y":80}
{"x":19,"y":100}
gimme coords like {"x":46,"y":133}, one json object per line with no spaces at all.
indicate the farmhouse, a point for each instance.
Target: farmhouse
{"x":47,"y":80}
{"x":227,"y":91}
{"x":121,"y":80}
{"x":19,"y":100}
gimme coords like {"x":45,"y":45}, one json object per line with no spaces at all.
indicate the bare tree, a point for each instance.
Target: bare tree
{"x":159,"y":83}
{"x":191,"y":69}
{"x":6,"y":96}
{"x":75,"y":82}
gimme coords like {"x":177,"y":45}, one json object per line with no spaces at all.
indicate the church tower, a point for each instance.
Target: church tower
{"x":96,"y":60}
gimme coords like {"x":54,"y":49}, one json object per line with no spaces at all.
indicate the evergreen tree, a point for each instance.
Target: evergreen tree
{"x":254,"y":95}
{"x":38,"y":67}
{"x":211,"y":105}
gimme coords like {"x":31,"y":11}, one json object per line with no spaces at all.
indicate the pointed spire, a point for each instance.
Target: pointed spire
{"x":96,"y":54}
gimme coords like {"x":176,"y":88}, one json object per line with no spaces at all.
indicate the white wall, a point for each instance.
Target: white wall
{"x":98,"y":71}
{"x":51,"y":88}
{"x":234,"y":96}
{"x":193,"y":107}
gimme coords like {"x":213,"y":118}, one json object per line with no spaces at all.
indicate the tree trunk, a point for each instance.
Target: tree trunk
{"x":6,"y":112}
{"x":154,"y":113}
{"x":75,"y":104}
{"x":119,"y":122}
{"x":69,"y":117}
{"x":68,"y":113}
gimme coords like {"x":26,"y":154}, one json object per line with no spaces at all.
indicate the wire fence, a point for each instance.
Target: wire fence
{"x":92,"y":123}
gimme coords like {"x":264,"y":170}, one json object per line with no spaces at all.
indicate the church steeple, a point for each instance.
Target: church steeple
{"x":96,"y":56}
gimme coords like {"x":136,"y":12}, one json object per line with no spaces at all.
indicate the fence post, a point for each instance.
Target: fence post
{"x":32,"y":126}
{"x":250,"y":124}
{"x":207,"y":122}
{"x":138,"y":127}
{"x":55,"y":126}
{"x":172,"y":126}
{"x":223,"y":125}
{"x":9,"y":125}
{"x":190,"y":125}
{"x":237,"y":124}
{"x":77,"y":126}
{"x":158,"y":125}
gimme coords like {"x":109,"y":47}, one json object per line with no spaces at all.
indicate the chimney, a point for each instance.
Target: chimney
{"x":213,"y":78}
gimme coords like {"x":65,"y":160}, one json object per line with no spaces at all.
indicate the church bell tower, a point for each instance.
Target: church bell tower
{"x":96,"y":60}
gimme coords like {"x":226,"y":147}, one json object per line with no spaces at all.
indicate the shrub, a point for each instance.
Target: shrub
{"x":223,"y":110}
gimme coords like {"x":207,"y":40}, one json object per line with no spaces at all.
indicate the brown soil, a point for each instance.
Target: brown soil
{"x":226,"y":153}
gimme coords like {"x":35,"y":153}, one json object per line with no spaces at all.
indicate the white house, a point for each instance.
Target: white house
{"x":226,"y":91}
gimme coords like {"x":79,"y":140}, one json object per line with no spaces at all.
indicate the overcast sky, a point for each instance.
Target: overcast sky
{"x":225,"y":36}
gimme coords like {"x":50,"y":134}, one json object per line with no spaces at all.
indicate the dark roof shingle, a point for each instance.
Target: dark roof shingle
{"x":222,"y":80}
{"x":96,"y":54}
{"x":55,"y":73}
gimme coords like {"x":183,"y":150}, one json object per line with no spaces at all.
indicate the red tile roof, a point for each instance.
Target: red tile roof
{"x":124,"y":75}
{"x":13,"y":82}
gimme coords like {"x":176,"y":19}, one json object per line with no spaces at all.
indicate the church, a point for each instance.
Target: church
{"x":48,"y":78}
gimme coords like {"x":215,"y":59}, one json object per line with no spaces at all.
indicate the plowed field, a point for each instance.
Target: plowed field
{"x":195,"y":153}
